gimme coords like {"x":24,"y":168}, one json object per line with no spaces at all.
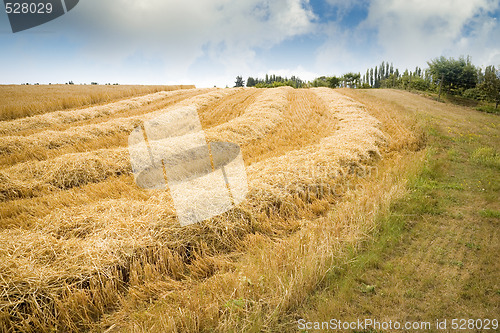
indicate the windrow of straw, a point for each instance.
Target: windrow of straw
{"x":306,"y":120}
{"x":36,"y":145}
{"x":70,"y":116}
{"x":403,"y":135}
{"x":320,"y":170}
{"x":34,"y":178}
{"x":229,"y":108}
{"x":258,"y":119}
{"x":30,"y":179}
{"x":73,"y":265}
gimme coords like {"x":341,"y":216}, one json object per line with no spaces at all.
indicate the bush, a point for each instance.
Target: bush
{"x":474,"y":93}
{"x":262,"y":85}
{"x":418,"y":83}
{"x":280,"y":84}
{"x":488,"y":109}
{"x":276,"y":84}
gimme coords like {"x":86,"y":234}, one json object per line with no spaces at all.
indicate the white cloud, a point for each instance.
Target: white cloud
{"x":417,"y":30}
{"x":178,"y":33}
{"x":211,"y":41}
{"x":346,"y":50}
{"x":482,"y":42}
{"x":410,"y":33}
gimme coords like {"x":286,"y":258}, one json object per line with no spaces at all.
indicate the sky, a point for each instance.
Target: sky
{"x":209,"y":42}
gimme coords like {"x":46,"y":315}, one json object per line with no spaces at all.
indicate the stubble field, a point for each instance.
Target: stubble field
{"x":82,"y":247}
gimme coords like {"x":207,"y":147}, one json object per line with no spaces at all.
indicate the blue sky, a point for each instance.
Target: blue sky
{"x":209,"y":42}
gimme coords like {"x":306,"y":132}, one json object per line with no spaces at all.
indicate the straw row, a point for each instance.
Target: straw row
{"x":354,"y":146}
{"x":34,"y":145}
{"x":34,"y":178}
{"x":259,"y":118}
{"x":66,"y":117}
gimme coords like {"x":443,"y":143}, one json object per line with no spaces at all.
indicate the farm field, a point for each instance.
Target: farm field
{"x":434,"y":255}
{"x":82,"y":247}
{"x":29,"y":100}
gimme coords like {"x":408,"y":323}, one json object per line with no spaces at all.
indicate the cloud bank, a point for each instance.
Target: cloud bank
{"x":210,"y":42}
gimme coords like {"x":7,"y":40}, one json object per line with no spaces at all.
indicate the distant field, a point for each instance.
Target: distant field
{"x":28,"y":100}
{"x":83,"y":247}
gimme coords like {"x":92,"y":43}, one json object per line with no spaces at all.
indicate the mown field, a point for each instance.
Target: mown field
{"x":82,"y":247}
{"x":29,"y":100}
{"x":434,"y":253}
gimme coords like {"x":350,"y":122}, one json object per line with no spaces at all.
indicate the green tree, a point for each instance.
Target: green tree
{"x":251,"y":82}
{"x":324,"y":81}
{"x":351,"y":80}
{"x":405,"y":79}
{"x":297,"y":82}
{"x":480,"y":76}
{"x":491,"y":84}
{"x":320,"y":82}
{"x":456,"y":75}
{"x":239,"y":82}
{"x":418,"y":71}
{"x":333,"y":81}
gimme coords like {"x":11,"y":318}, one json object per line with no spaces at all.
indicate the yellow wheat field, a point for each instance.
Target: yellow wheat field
{"x":82,"y":246}
{"x":25,"y":101}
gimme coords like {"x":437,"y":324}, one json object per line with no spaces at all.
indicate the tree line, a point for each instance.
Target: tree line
{"x":458,"y":77}
{"x":270,"y":81}
{"x":451,"y":76}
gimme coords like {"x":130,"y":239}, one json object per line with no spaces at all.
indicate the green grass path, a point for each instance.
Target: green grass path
{"x":436,"y":255}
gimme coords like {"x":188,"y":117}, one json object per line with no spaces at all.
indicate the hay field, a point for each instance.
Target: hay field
{"x":29,"y":100}
{"x":82,"y":247}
